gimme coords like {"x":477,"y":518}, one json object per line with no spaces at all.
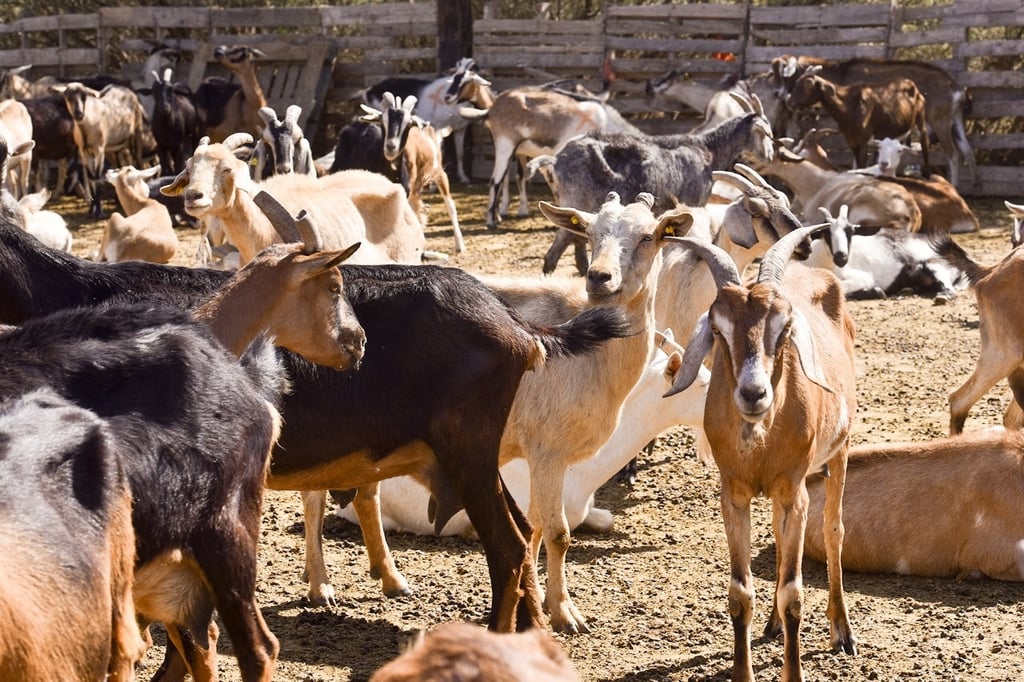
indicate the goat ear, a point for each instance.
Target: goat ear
{"x":23,"y":148}
{"x":866,"y":230}
{"x":370,"y":114}
{"x":675,"y":223}
{"x":177,"y":186}
{"x":807,"y":350}
{"x":701,"y":343}
{"x":570,"y":219}
{"x":268,"y":115}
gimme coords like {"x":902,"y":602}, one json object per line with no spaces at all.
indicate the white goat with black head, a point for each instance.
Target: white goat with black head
{"x":780,"y":405}
{"x":282,"y":147}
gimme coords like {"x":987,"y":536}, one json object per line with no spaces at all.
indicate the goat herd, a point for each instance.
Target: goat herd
{"x":148,"y":407}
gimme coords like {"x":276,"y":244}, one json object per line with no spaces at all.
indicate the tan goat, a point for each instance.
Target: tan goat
{"x":16,"y":129}
{"x":145,"y":231}
{"x":225,"y":108}
{"x":347,"y":206}
{"x":1017,"y":214}
{"x":945,"y":508}
{"x":463,"y":652}
{"x":780,"y":405}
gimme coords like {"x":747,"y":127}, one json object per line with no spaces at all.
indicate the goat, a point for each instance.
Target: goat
{"x":1017,"y":215}
{"x":16,"y":128}
{"x":887,"y":261}
{"x":46,"y":226}
{"x":13,"y":85}
{"x":531,"y":121}
{"x":1001,"y":354}
{"x":162,"y":59}
{"x":462,"y":652}
{"x":782,"y":395}
{"x":316,"y":450}
{"x":890,"y":152}
{"x":156,"y":375}
{"x":67,"y":508}
{"x":225,"y":107}
{"x":417,"y":147}
{"x":53,"y":130}
{"x":175,"y":122}
{"x":404,"y":501}
{"x":347,"y":206}
{"x":105,"y":122}
{"x":946,"y":103}
{"x":863,"y":112}
{"x":10,"y":209}
{"x":145,"y":231}
{"x":282,"y":147}
{"x":944,"y":508}
{"x":360,"y":145}
{"x":675,"y":168}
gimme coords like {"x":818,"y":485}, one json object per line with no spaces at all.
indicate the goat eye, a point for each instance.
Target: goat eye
{"x":335,"y":289}
{"x":646,"y":238}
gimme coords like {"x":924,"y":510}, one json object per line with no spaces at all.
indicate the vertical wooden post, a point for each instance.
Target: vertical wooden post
{"x":455,"y":41}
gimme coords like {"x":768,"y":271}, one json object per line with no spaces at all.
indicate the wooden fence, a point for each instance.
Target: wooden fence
{"x":321,"y":57}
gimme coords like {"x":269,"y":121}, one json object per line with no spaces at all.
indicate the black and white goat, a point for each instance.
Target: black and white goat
{"x":282,"y":147}
{"x":873,"y":262}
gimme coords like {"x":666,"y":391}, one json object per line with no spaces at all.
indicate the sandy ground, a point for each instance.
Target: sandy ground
{"x":654,"y":588}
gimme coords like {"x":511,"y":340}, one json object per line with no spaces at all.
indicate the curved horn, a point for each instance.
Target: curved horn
{"x":645,"y":198}
{"x":773,"y":264}
{"x":722,"y":266}
{"x":389,"y":100}
{"x":279,"y":217}
{"x":736,"y":180}
{"x":292,"y":113}
{"x":753,"y":175}
{"x":310,"y":234}
{"x":235,"y":140}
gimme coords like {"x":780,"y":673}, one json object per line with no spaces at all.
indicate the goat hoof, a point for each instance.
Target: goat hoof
{"x":398,"y":592}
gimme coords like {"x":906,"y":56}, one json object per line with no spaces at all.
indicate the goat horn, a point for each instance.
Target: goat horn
{"x":721,"y":264}
{"x":310,"y":234}
{"x":292,"y":113}
{"x":279,"y":217}
{"x":645,"y":198}
{"x":736,"y":180}
{"x":773,"y":264}
{"x":389,"y":100}
{"x":235,"y":140}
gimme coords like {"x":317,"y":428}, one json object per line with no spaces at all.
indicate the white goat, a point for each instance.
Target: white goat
{"x":531,"y":121}
{"x":416,"y":145}
{"x":48,"y":227}
{"x":944,"y":508}
{"x":145,"y":231}
{"x":16,"y":128}
{"x":348,"y":206}
{"x":891,"y":151}
{"x":780,"y":405}
{"x":282,"y":147}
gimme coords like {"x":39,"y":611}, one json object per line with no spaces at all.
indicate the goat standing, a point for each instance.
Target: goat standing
{"x":780,"y":405}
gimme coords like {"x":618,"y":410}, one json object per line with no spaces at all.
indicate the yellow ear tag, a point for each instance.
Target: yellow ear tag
{"x":574,"y":220}
{"x":670,"y":230}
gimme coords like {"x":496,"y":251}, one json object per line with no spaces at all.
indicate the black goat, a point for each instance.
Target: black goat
{"x":196,"y":431}
{"x":401,"y":410}
{"x":674,"y":168}
{"x":175,"y":121}
{"x":54,"y":133}
{"x":361,"y":145}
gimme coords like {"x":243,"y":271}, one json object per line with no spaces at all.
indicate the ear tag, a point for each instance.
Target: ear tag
{"x":574,"y":220}
{"x":670,"y":230}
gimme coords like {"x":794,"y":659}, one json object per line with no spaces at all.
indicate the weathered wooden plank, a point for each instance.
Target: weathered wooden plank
{"x":682,"y":11}
{"x":822,"y":15}
{"x":992,"y":48}
{"x":682,"y":45}
{"x":485,"y":27}
{"x":725,"y":27}
{"x":162,"y":17}
{"x":42,"y":58}
{"x":58,"y":22}
{"x":405,"y":12}
{"x":991,"y":79}
{"x":997,"y":141}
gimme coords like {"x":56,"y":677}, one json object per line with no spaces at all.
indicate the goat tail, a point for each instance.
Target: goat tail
{"x":582,"y":334}
{"x":962,"y":104}
{"x":951,"y":252}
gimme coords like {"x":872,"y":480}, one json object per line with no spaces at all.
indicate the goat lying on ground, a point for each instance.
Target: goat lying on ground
{"x":782,"y":395}
{"x":880,"y":262}
{"x":46,"y":226}
{"x":461,"y":652}
{"x":145,"y":231}
{"x":944,"y":508}
{"x":67,"y":512}
{"x":416,"y":146}
{"x":675,"y":168}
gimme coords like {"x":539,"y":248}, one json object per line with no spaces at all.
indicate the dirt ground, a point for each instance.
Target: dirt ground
{"x":654,"y":589}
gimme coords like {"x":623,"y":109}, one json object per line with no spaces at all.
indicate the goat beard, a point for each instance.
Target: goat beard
{"x":752,"y":437}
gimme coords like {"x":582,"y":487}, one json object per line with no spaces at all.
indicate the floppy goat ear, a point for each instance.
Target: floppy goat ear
{"x":570,"y":219}
{"x":701,"y":343}
{"x":807,"y":351}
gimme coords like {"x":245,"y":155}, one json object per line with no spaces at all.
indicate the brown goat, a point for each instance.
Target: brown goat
{"x":463,"y":652}
{"x":225,"y":108}
{"x":780,"y":404}
{"x":863,"y":112}
{"x":945,"y":508}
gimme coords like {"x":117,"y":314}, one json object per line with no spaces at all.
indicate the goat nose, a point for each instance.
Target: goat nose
{"x":192,"y":195}
{"x":840,"y":259}
{"x":753,"y":394}
{"x":598,"y":277}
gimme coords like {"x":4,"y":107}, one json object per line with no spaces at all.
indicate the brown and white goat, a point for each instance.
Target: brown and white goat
{"x":16,"y":128}
{"x":780,"y":405}
{"x":282,"y":147}
{"x":463,"y":652}
{"x":145,"y":231}
{"x":416,"y":145}
{"x":863,"y":112}
{"x":944,"y":508}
